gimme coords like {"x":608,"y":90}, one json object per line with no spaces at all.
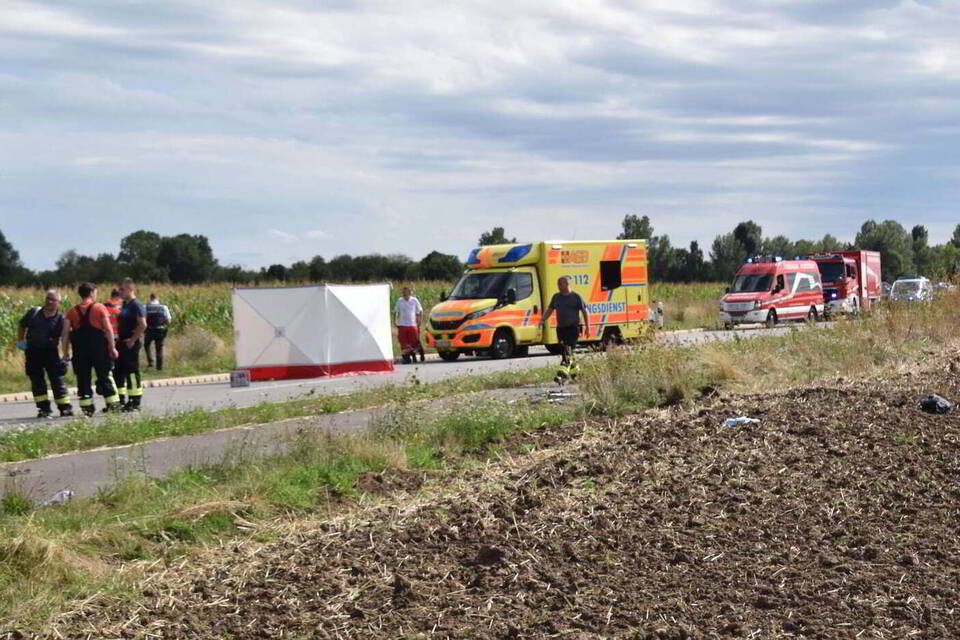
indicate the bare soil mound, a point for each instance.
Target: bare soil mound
{"x":835,"y":517}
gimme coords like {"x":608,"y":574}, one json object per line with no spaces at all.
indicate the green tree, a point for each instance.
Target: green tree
{"x":275,"y":272}
{"x":829,"y":244}
{"x":187,"y":259}
{"x":661,"y":259}
{"x":318,"y":269}
{"x":779,"y":246}
{"x":944,"y":261}
{"x":299,"y":272}
{"x":496,"y":236}
{"x":139,"y":256}
{"x":955,"y":240}
{"x":11,"y":270}
{"x":396,"y":266}
{"x":440,"y":266}
{"x":340,"y":269}
{"x":750,"y":236}
{"x":894,"y":244}
{"x":726,"y":256}
{"x":234,"y":274}
{"x":140,"y":246}
{"x":636,"y":228}
{"x":922,"y":254}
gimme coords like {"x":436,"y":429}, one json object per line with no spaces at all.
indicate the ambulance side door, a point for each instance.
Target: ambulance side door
{"x":527,"y":324}
{"x":615,"y":305}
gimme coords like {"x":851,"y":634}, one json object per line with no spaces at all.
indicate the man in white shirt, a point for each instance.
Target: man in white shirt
{"x":408,"y":315}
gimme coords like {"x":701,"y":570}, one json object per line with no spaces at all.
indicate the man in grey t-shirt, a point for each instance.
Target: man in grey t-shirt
{"x":569,"y":307}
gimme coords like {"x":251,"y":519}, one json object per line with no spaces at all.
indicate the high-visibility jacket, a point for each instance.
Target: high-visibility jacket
{"x":114,"y":309}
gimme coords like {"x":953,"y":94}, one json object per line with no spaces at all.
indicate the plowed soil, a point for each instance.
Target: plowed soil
{"x":835,"y":517}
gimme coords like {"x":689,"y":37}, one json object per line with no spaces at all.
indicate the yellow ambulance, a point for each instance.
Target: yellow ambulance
{"x":496,"y":307}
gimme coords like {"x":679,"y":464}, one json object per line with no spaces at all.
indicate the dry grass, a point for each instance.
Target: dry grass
{"x":894,"y":338}
{"x":194,"y":344}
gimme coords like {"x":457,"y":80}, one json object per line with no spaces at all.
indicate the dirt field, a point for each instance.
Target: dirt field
{"x":836,"y":517}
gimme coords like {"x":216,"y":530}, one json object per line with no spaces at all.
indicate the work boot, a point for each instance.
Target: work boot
{"x":42,"y":414}
{"x":66,"y":412}
{"x":113,"y":407}
{"x":132,"y":406}
{"x":89,"y":411}
{"x":405,"y":358}
{"x":423,"y":357}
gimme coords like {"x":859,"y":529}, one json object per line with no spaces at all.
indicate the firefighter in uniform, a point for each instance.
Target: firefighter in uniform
{"x":92,"y":341}
{"x":158,"y":318}
{"x":133,"y":324}
{"x":114,"y":308}
{"x":42,"y":333}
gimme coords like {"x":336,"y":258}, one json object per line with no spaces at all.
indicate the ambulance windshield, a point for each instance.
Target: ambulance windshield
{"x":475,"y":286}
{"x":831,"y":271}
{"x":752,"y":283}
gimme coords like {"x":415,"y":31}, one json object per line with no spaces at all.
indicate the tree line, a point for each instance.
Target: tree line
{"x":147,"y":256}
{"x":902,"y":252}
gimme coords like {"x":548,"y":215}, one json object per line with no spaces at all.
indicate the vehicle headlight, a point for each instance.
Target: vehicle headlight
{"x":477,"y":314}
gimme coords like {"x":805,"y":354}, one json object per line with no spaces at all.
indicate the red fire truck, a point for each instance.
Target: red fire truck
{"x":851,"y":280}
{"x":770,"y":290}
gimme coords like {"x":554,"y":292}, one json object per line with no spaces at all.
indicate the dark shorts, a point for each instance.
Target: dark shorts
{"x":568,"y":335}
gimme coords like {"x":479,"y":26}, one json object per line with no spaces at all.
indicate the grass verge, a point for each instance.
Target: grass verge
{"x":53,"y":559}
{"x":78,"y":435}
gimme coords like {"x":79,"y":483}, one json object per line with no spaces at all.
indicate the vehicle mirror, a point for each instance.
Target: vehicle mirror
{"x":443,"y":296}
{"x":728,"y":290}
{"x":511,"y":296}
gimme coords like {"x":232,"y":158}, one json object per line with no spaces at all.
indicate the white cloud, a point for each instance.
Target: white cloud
{"x":283,"y":236}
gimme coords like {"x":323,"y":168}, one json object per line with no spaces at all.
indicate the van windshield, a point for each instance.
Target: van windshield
{"x":752,"y":283}
{"x":831,"y":271}
{"x":906,"y":287}
{"x":473,"y":286}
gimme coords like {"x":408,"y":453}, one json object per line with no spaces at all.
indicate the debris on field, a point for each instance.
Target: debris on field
{"x":936,"y":404}
{"x":733,"y":422}
{"x":554,"y":396}
{"x":60,"y":497}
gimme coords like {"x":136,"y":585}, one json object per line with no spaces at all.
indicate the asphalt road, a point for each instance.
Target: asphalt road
{"x":176,"y":399}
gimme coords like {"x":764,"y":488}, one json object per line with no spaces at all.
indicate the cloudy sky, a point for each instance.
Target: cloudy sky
{"x":282,"y":129}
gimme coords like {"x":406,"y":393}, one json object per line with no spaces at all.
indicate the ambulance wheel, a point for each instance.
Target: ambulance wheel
{"x":521,"y":352}
{"x":812,"y":315}
{"x":449,"y":356}
{"x":554,"y":349}
{"x":503,"y":345}
{"x":771,"y":319}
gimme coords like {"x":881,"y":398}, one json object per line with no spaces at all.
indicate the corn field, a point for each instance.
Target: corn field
{"x":205,"y":306}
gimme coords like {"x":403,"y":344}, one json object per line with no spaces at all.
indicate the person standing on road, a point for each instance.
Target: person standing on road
{"x":42,"y":334}
{"x":114,"y":307}
{"x":158,"y":319}
{"x":408,"y":314}
{"x":133,"y":324}
{"x":569,"y":307}
{"x":94,"y":346}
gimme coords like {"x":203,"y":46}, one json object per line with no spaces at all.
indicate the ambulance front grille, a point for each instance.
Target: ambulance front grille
{"x":445,"y":325}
